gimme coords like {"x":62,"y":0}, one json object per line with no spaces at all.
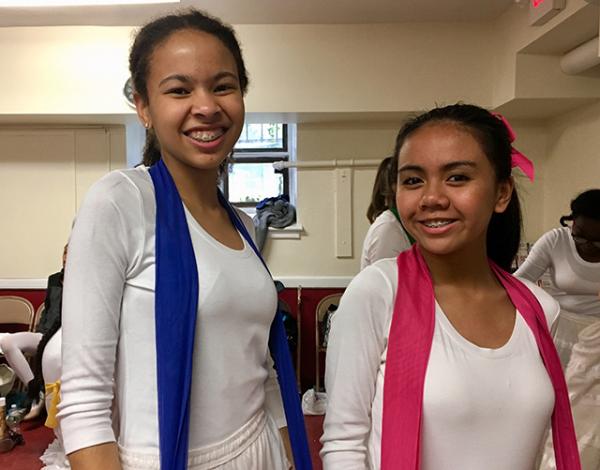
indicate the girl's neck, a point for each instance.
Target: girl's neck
{"x":466,"y":270}
{"x":196,"y":187}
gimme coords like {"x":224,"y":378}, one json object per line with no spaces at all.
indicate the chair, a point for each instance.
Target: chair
{"x":38,"y":316}
{"x":16,"y":314}
{"x":320,"y":311}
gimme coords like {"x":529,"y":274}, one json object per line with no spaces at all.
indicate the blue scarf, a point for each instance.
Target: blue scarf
{"x":176,"y":306}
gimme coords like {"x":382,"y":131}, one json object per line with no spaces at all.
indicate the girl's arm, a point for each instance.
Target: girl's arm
{"x":101,"y":245}
{"x":354,"y":358}
{"x":14,"y":347}
{"x":100,"y":457}
{"x":539,"y":258}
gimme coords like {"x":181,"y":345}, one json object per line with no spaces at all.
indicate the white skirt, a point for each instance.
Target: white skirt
{"x":54,"y":457}
{"x":256,"y":445}
{"x":583,"y":381}
{"x":566,"y":333}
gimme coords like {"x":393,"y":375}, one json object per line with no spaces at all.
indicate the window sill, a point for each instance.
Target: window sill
{"x":293,"y":232}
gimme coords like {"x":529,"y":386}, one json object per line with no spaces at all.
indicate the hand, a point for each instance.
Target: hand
{"x":285,"y":437}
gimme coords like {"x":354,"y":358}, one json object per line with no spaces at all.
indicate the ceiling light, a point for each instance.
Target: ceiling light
{"x":76,"y":3}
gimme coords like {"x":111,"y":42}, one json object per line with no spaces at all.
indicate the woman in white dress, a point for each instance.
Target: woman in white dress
{"x":571,"y":257}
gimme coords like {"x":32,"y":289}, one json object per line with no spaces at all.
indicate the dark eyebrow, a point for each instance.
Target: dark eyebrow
{"x":221,"y":75}
{"x":447,"y":167}
{"x":458,"y":164}
{"x":187,"y":79}
{"x":410,"y":168}
{"x":178,"y":77}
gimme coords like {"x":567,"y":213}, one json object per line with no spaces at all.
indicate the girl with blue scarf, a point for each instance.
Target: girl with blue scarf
{"x":169,"y":323}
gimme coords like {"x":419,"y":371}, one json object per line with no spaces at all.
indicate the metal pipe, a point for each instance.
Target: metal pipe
{"x":351,"y":163}
{"x":582,"y":58}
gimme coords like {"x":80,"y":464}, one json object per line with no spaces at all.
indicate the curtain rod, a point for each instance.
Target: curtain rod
{"x":351,"y":163}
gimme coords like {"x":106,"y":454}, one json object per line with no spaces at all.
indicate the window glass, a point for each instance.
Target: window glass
{"x":252,"y":182}
{"x":251,"y":177}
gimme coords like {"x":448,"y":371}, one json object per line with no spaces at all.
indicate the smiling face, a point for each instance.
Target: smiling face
{"x":195,"y":104}
{"x":447,"y":190}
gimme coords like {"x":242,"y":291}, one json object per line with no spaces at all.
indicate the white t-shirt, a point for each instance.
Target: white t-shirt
{"x":575,"y":282}
{"x":482,"y":409}
{"x":109,"y":329}
{"x":385,"y":239}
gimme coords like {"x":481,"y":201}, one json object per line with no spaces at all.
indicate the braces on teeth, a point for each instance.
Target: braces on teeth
{"x":437,"y":224}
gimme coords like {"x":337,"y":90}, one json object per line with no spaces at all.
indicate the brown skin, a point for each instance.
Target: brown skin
{"x":444,"y":176}
{"x":100,"y":457}
{"x":193,"y":84}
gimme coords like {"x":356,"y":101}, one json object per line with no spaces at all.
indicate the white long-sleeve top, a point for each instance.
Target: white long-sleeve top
{"x":575,"y":282}
{"x":385,"y":238}
{"x":109,"y":331}
{"x":482,"y":408}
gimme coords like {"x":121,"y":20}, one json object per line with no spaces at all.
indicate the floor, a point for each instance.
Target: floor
{"x":26,"y":457}
{"x":37,"y":437}
{"x":314,"y":429}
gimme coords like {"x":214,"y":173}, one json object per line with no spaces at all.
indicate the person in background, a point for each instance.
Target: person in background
{"x":386,"y":236}
{"x":571,"y":256}
{"x":167,"y":305}
{"x":440,"y":359}
{"x":47,"y":370}
{"x":15,"y":346}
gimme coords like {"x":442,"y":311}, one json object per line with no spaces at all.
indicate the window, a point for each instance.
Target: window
{"x":251,"y":176}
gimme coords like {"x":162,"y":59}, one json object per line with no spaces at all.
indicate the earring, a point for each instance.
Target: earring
{"x":147,"y":125}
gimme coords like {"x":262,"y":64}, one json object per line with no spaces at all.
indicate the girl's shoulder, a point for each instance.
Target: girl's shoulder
{"x":367,"y":304}
{"x":556,"y":236}
{"x":121,"y":183}
{"x":549,"y":304}
{"x":124,"y":195}
{"x":378,"y":280}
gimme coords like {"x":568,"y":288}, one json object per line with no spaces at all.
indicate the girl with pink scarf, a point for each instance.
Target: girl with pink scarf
{"x":440,"y":359}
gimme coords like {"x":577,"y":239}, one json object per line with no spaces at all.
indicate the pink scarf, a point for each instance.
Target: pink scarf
{"x":411,"y":335}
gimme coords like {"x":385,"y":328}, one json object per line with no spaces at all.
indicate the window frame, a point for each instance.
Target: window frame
{"x":243,"y":156}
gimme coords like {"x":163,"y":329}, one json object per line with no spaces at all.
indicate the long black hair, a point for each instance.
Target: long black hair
{"x":504,"y":230}
{"x":155,"y":33}
{"x":384,"y":194}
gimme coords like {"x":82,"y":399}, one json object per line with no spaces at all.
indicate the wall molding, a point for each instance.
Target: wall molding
{"x":323,"y":282}
{"x":23,"y":283}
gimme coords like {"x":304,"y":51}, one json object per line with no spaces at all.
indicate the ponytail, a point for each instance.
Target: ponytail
{"x":504,"y":233}
{"x":151,"y":153}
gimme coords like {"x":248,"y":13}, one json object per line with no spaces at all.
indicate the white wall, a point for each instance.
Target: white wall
{"x":318,"y":75}
{"x":293,"y":68}
{"x":573,"y":161}
{"x":44,"y":175}
{"x":314,"y":253}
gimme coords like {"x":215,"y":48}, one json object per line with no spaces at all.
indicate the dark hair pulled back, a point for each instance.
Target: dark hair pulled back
{"x":383,"y":196}
{"x":159,"y":30}
{"x":504,"y":230}
{"x":586,"y":204}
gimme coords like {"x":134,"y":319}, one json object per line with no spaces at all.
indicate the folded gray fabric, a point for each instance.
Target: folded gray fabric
{"x":275,"y":212}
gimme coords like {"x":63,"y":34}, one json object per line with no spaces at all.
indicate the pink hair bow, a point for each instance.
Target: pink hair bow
{"x":517,"y":158}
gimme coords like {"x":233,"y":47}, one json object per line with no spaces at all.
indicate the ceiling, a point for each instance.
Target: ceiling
{"x":269,"y":12}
